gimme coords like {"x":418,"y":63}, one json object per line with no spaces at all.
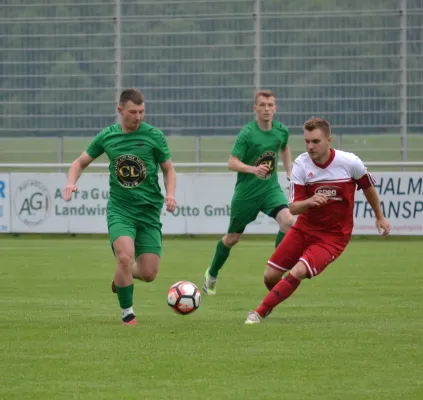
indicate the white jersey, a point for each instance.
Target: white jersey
{"x":338,"y":179}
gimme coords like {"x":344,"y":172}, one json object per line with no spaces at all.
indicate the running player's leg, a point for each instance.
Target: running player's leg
{"x":242,"y":213}
{"x":148,"y":249}
{"x":314,"y":260}
{"x":122,"y":233}
{"x":276,"y":206}
{"x":284,"y":257}
{"x":281,"y":262}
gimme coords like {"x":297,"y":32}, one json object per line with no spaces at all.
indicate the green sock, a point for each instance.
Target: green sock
{"x":279,"y":238}
{"x":125,"y":296}
{"x":221,"y":255}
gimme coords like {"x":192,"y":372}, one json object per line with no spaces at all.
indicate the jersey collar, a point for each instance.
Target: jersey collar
{"x":328,"y":162}
{"x":261,"y":130}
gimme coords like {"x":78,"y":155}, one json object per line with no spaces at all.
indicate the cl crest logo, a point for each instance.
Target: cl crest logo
{"x":130,"y":170}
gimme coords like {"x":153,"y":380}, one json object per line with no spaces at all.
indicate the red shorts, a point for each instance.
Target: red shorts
{"x":316,"y":252}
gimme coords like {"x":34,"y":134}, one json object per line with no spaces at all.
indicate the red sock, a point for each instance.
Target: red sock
{"x":282,"y":290}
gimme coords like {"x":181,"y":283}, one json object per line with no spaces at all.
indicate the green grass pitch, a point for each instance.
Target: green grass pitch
{"x":354,"y":333}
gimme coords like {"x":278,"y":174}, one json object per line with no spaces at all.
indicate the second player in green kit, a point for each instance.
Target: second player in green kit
{"x":136,"y":151}
{"x":252,"y":193}
{"x":255,"y":157}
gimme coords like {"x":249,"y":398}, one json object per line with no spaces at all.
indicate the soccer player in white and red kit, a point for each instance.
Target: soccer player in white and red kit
{"x":322,"y":188}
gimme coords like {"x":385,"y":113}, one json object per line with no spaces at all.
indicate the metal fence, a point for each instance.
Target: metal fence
{"x":359,"y":64}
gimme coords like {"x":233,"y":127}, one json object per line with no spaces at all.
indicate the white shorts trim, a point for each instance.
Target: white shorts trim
{"x":310,"y":271}
{"x":272,"y":264}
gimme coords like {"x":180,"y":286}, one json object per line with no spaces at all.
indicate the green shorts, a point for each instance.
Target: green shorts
{"x":244,"y":212}
{"x":147,"y":233}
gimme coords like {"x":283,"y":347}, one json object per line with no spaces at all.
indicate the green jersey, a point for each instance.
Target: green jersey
{"x":134,"y":164}
{"x":254,"y":147}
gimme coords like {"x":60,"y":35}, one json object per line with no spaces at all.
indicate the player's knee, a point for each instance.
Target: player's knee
{"x":290,"y":220}
{"x":270,"y":283}
{"x":286,"y":222}
{"x":149,"y":277}
{"x":145,"y":270}
{"x":124,"y":260}
{"x":271,"y":277}
{"x":231,"y":239}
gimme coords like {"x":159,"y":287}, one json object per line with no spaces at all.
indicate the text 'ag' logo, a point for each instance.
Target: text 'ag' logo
{"x":32,"y":202}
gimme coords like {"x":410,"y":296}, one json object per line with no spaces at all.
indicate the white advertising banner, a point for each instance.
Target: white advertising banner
{"x":37,"y":204}
{"x":203,"y":204}
{"x":4,"y":203}
{"x":401,"y":195}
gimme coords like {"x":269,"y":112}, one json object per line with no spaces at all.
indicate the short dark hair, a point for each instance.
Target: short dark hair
{"x":264,"y":93}
{"x":133,"y":95}
{"x":317,"y":123}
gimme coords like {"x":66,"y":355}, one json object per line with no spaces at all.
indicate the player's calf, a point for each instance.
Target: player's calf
{"x":221,"y":254}
{"x":280,"y":292}
{"x":231,"y":239}
{"x":123,"y":274}
{"x":283,"y":289}
{"x":123,"y":282}
{"x":300,"y":271}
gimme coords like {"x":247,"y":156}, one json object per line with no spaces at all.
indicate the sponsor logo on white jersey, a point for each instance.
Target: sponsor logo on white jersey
{"x":329,"y":191}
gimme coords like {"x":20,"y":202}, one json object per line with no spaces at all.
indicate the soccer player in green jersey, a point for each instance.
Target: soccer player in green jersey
{"x":255,"y":158}
{"x":135,"y":150}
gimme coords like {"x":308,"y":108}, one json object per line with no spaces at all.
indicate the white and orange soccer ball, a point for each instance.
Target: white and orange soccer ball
{"x":183,"y":297}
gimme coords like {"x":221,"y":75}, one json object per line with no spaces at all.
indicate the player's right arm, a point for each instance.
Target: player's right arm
{"x":94,"y":150}
{"x":302,"y":206}
{"x":74,"y":173}
{"x":298,"y":201}
{"x":238,"y":152}
{"x":286,"y":160}
{"x":235,"y":164}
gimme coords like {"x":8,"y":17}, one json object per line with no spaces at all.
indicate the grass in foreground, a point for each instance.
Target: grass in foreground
{"x":353,"y":333}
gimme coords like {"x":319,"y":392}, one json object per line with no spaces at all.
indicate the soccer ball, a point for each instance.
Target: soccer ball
{"x":183,"y":297}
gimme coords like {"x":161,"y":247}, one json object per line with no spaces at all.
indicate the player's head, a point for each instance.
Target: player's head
{"x":265,"y":105}
{"x":317,"y":138}
{"x":131,"y":108}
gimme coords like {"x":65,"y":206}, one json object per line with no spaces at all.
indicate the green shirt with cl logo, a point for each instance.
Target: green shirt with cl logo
{"x":134,"y":165}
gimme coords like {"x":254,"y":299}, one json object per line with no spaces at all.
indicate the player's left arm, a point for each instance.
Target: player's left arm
{"x":287,"y":160}
{"x":162,"y":156}
{"x":372,"y":197}
{"x":285,"y":152}
{"x":365,"y":182}
{"x":169,"y":177}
